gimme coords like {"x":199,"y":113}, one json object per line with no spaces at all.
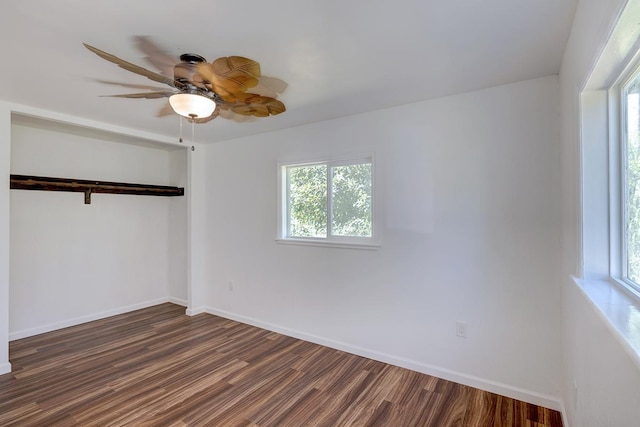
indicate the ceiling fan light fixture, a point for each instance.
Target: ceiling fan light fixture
{"x":192,"y":106}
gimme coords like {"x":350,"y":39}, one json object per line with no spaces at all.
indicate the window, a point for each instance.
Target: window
{"x":328,"y":202}
{"x":610,"y":172}
{"x":608,"y":164}
{"x":630,"y":149}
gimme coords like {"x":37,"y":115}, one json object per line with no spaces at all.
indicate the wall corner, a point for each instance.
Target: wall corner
{"x":5,"y":172}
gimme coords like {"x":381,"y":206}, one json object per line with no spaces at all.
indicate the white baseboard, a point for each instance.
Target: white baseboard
{"x":16,"y":335}
{"x":565,"y":419}
{"x":177,"y":301}
{"x":196,"y":310}
{"x":5,"y":368}
{"x":513,"y":392}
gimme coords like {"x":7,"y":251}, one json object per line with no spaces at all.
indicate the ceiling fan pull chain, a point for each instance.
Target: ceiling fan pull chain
{"x":180,"y":130}
{"x":193,"y":130}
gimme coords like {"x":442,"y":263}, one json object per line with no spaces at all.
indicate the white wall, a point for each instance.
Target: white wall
{"x":197,"y":256}
{"x":5,"y":155}
{"x":178,"y":228}
{"x":470,"y":231}
{"x":600,"y":381}
{"x":72,"y":262}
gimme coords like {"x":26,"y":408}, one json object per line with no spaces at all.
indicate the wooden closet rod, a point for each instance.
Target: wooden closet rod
{"x":44,"y":183}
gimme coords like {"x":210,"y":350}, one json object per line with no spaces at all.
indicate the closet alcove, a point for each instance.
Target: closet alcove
{"x":72,"y":262}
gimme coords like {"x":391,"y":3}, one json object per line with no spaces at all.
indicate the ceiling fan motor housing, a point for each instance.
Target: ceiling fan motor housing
{"x":184,"y":71}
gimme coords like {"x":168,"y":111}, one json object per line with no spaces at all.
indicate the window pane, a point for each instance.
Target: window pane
{"x":307,"y":201}
{"x":632,"y":183}
{"x":351,"y":200}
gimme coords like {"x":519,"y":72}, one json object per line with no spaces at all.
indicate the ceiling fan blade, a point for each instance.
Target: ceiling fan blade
{"x":276,"y":107}
{"x":166,"y":110}
{"x":230,"y":65}
{"x":249,"y":104}
{"x":239,"y":118}
{"x":230,"y":75}
{"x":273,"y":83}
{"x":156,"y":56}
{"x":215,"y":114}
{"x":263,"y":90}
{"x":131,"y":86}
{"x":269,"y":86}
{"x":133,"y":67}
{"x":251,"y":110}
{"x":143,"y":95}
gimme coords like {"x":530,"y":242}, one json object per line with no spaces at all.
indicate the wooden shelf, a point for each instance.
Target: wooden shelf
{"x":43,"y":183}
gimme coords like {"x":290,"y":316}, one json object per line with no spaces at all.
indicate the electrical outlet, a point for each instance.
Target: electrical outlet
{"x":461,"y":329}
{"x":230,"y":286}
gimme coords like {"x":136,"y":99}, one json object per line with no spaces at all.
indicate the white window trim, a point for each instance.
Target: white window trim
{"x":599,"y":261}
{"x":366,"y":243}
{"x":617,"y":133}
{"x":621,"y":178}
{"x":616,"y":187}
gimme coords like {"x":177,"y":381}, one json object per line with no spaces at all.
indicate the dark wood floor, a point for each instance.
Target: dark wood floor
{"x":159,"y":367}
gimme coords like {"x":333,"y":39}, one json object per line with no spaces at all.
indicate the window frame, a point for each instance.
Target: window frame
{"x":624,"y":185}
{"x":357,"y":242}
{"x":618,"y":135}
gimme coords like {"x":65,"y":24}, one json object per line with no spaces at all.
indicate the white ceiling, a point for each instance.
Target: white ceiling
{"x":339,"y":57}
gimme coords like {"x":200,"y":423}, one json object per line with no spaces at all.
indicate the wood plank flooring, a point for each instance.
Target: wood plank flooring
{"x":159,"y":367}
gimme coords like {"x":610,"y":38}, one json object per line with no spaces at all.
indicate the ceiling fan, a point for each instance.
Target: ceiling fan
{"x":231,"y":86}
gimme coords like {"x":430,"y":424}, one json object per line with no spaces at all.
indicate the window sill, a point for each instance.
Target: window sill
{"x":619,"y":309}
{"x":326,"y":244}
